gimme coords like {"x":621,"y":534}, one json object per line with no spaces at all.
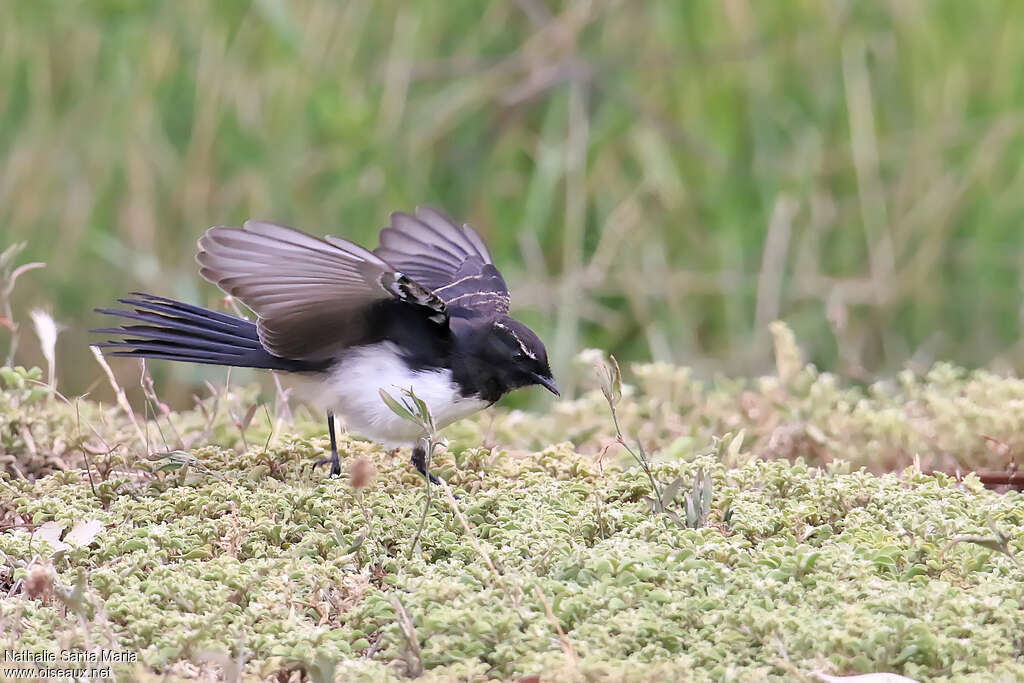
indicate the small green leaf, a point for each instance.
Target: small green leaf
{"x":691,"y":512}
{"x":670,"y":491}
{"x":396,"y":407}
{"x":616,"y":378}
{"x":735,"y":445}
{"x":356,"y":542}
{"x":12,"y":379}
{"x":998,"y":543}
{"x":705,"y":497}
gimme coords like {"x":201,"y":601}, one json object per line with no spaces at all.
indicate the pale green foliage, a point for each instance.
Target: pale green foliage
{"x":815,"y":569}
{"x":212,"y":552}
{"x":947,"y":417}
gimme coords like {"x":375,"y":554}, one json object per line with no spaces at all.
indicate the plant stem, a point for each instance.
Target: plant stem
{"x":426,"y":506}
{"x":640,"y":458}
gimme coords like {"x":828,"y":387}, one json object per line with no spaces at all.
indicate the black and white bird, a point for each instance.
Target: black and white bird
{"x":427,"y":311}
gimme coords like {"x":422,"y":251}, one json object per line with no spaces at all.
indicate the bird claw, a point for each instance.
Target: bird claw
{"x":437,"y":481}
{"x":334,"y":461}
{"x":419,"y":461}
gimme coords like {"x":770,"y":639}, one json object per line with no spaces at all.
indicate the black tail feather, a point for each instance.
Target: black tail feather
{"x":173,"y":330}
{"x":192,"y":323}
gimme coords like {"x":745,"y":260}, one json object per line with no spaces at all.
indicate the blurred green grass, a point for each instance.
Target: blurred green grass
{"x":658,"y":179}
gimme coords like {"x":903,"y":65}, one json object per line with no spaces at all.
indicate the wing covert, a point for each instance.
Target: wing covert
{"x":447,"y":258}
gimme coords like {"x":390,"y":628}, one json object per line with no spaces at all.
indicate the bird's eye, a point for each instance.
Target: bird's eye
{"x":518,"y":356}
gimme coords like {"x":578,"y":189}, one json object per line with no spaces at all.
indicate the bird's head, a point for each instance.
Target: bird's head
{"x":520,"y":353}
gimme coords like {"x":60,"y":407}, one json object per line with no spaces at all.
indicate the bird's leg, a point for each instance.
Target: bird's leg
{"x":334,"y":460}
{"x":419,"y":461}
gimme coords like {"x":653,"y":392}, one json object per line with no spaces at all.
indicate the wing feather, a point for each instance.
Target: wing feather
{"x":311,"y":295}
{"x":448,"y":258}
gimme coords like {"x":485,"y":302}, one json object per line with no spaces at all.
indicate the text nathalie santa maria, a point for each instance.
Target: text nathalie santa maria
{"x":98,"y":655}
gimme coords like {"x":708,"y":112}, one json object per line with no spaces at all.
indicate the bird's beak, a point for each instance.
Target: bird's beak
{"x":546,"y":382}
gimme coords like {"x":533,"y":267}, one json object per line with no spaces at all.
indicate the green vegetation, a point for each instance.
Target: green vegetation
{"x":658,"y":179}
{"x":662,"y":180}
{"x":232,"y":555}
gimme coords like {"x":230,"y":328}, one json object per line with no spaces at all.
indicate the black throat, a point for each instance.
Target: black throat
{"x":475,"y":378}
{"x":473,"y":372}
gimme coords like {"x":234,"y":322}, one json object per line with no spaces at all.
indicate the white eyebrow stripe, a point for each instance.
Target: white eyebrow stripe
{"x":518,"y":340}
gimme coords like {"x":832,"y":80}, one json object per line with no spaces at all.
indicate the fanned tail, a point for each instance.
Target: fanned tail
{"x":172,"y":330}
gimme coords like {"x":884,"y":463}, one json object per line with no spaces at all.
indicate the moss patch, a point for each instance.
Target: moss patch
{"x":213,"y":549}
{"x":814,"y":569}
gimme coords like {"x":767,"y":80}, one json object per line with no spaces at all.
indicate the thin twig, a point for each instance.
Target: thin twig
{"x":8,"y":278}
{"x":270,"y":423}
{"x":641,"y":458}
{"x":566,"y":643}
{"x":426,"y":505}
{"x":78,"y":432}
{"x":473,"y":541}
{"x":149,"y":392}
{"x":415,"y":658}
{"x":85,"y":452}
{"x":122,"y":399}
{"x":282,"y":407}
{"x":611,"y":386}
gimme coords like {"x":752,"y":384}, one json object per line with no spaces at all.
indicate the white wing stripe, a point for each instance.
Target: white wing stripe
{"x":478,"y":276}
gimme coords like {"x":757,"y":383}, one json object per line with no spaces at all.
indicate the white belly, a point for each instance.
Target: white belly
{"x":352,"y":391}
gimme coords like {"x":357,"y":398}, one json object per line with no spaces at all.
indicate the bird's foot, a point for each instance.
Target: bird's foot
{"x":334,"y":461}
{"x":419,"y":461}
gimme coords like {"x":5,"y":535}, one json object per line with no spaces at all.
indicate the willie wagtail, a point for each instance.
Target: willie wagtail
{"x":426,"y":310}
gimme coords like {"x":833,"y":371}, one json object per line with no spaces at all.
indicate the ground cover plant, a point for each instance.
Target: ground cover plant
{"x":216,"y":552}
{"x":661,"y":180}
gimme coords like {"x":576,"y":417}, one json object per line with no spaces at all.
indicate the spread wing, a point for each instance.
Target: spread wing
{"x":311,"y":295}
{"x":449,"y":259}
